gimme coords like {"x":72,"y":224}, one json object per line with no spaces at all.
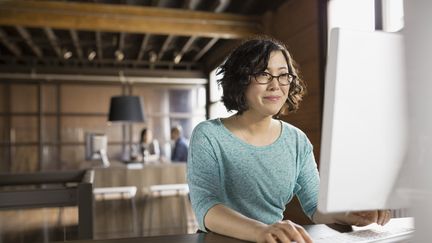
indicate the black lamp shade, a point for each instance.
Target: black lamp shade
{"x":126,"y":109}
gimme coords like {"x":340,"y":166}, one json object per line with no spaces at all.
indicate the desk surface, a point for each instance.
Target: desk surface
{"x":188,"y":238}
{"x":313,"y":230}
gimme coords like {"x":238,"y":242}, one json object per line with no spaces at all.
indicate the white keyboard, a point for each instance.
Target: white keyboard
{"x":366,"y":236}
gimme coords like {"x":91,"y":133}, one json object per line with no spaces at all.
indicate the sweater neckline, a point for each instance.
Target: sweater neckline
{"x":239,"y":140}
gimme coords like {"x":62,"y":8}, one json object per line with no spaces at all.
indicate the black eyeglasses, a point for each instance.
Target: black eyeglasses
{"x":283,"y":79}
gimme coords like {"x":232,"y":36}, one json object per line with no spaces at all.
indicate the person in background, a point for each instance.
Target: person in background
{"x":243,"y":170}
{"x":180,"y":150}
{"x":149,"y":147}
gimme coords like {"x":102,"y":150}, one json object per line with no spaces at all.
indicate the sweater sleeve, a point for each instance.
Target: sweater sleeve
{"x":203,"y":174}
{"x":307,"y":186}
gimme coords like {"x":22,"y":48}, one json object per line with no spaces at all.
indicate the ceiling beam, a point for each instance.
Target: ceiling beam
{"x":129,"y":19}
{"x":223,"y":4}
{"x":165,"y":46}
{"x":121,"y":41}
{"x":102,"y":71}
{"x":205,"y":49}
{"x":143,"y":47}
{"x":184,"y":49}
{"x":54,"y":61}
{"x":99,"y":54}
{"x":9,"y":45}
{"x":76,"y":42}
{"x":191,"y":4}
{"x":103,"y":78}
{"x":28,"y":39}
{"x":218,"y":54}
{"x":53,"y":41}
{"x":188,"y":44}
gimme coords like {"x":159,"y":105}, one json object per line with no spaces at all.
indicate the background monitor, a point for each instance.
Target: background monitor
{"x":96,"y":148}
{"x":364,"y":130}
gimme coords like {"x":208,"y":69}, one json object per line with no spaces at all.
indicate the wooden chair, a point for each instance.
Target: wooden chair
{"x":36,"y":190}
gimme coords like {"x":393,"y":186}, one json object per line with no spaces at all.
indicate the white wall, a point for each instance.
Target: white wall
{"x":418,"y":39}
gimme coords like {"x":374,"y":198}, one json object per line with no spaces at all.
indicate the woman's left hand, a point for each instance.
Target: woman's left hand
{"x":364,"y":218}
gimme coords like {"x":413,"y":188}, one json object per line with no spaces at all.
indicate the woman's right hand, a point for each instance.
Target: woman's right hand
{"x":285,"y":232}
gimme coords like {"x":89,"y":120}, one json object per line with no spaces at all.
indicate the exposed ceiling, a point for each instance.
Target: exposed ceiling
{"x":111,"y":35}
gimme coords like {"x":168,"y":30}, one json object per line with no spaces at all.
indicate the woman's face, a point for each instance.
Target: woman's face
{"x":267,"y":99}
{"x":148,"y":137}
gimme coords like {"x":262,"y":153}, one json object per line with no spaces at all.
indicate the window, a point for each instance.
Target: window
{"x":43,"y":125}
{"x":361,"y":14}
{"x":216,"y":107}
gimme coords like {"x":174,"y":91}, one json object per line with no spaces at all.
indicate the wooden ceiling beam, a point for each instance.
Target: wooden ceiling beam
{"x":143,"y":47}
{"x":191,"y":4}
{"x":218,"y":54}
{"x":9,"y":45}
{"x":121,"y":42}
{"x":185,"y":49}
{"x":76,"y":43}
{"x":49,"y":61}
{"x":94,"y":70}
{"x":129,"y":19}
{"x":221,"y":6}
{"x":165,"y":46}
{"x":28,"y":40}
{"x":205,"y":49}
{"x":53,"y":41}
{"x":188,"y":44}
{"x":99,"y":54}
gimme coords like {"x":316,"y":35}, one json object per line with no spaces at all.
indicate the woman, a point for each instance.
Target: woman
{"x":149,"y":147}
{"x":244,"y":169}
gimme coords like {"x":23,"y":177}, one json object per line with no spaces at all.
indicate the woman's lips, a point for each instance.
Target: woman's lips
{"x":272,"y":98}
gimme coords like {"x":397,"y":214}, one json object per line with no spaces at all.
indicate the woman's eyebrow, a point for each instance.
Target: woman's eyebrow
{"x":279,"y":68}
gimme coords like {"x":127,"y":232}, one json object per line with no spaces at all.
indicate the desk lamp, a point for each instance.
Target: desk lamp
{"x":126,"y":109}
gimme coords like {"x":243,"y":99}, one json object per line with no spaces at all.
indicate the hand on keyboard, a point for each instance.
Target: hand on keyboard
{"x":283,"y":231}
{"x":364,"y":218}
{"x":365,"y":236}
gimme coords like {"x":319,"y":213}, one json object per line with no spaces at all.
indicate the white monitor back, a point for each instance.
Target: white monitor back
{"x":364,"y":122}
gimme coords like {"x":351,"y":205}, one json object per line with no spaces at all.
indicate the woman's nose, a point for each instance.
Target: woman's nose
{"x":274,"y":84}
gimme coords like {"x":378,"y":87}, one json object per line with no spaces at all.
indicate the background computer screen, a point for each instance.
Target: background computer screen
{"x":364,"y":138}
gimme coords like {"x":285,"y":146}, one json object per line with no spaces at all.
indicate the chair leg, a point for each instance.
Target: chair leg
{"x":182,"y":214}
{"x":149,"y":230}
{"x":59,"y":222}
{"x":134,"y":216}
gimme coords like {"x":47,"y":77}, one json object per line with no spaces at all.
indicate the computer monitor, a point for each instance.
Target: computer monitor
{"x":365,"y":129}
{"x":96,"y":148}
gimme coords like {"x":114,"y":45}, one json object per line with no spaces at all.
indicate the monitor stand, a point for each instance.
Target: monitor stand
{"x":104,"y":158}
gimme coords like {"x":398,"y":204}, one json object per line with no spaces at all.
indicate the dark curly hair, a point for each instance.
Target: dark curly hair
{"x":249,"y":58}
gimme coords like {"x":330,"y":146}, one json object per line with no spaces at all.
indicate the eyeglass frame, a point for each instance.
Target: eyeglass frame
{"x":294,"y":77}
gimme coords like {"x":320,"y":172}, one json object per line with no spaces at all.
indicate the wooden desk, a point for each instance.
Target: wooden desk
{"x":153,"y":174}
{"x":314,"y":230}
{"x":188,"y":238}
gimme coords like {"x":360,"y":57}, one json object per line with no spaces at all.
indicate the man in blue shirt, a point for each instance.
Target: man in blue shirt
{"x":180,"y":150}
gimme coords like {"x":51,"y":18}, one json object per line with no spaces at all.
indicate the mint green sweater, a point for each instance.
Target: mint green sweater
{"x":256,"y":181}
